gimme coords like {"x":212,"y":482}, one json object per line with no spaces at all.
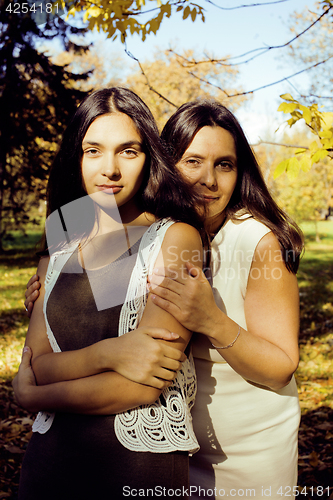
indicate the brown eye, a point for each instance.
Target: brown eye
{"x":225,"y":166}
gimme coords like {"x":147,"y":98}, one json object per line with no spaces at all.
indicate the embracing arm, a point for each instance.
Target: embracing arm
{"x":267,"y":352}
{"x":108,"y":392}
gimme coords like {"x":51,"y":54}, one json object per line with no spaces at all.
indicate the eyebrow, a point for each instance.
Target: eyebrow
{"x":123,"y":145}
{"x":196,"y":155}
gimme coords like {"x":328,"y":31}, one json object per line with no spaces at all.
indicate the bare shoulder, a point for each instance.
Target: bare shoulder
{"x":269,"y":265}
{"x":182,"y":243}
{"x":269,"y":242}
{"x":183,"y":235}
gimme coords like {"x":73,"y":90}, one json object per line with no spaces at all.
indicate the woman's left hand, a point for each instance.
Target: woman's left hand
{"x":24,"y":382}
{"x":188,"y":297}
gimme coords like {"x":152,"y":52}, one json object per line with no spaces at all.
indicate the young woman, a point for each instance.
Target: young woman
{"x":91,"y":322}
{"x":246,"y":414}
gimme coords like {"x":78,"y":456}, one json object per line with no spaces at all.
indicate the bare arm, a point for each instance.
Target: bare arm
{"x":108,"y":392}
{"x":267,"y":353}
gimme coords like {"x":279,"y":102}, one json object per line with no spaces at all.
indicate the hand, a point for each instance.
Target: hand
{"x":31,"y":294}
{"x":144,"y":359}
{"x":24,"y":381}
{"x":188,"y":297}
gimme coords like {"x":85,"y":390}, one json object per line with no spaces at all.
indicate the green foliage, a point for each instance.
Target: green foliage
{"x":36,"y":101}
{"x":119,"y":17}
{"x":321,"y":125}
{"x":307,"y":196}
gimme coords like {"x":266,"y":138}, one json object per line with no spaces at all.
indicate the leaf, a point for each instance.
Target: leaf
{"x":94,"y":11}
{"x":287,"y":97}
{"x":293,"y":168}
{"x":282,"y":166}
{"x":287,"y":108}
{"x":187,"y":12}
{"x":306,"y":114}
{"x":305,"y":163}
{"x":319,"y":155}
{"x":193,"y":14}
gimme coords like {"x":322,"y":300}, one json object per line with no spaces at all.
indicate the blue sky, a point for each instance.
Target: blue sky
{"x":235,"y":32}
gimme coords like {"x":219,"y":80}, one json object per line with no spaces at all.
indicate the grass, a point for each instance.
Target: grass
{"x":314,"y":375}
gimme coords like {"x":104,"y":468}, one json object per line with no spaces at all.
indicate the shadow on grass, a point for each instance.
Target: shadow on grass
{"x":316,"y":452}
{"x":315,"y":280}
{"x":11,"y":319}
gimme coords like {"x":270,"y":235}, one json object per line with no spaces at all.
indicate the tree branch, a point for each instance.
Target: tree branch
{"x":294,"y":146}
{"x":262,"y":50}
{"x":146,"y":77}
{"x":243,"y":6}
{"x":263,"y":86}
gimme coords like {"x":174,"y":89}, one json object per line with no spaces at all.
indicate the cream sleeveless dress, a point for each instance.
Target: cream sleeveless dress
{"x":247,"y":434}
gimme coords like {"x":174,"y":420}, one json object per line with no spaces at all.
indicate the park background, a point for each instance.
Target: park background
{"x":246,"y":54}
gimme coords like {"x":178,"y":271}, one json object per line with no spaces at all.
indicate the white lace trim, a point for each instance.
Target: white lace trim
{"x":44,"y":419}
{"x":165,"y":425}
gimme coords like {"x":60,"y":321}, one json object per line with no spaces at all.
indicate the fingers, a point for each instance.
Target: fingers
{"x":161,"y":333}
{"x":32,"y":280}
{"x":32,"y":290}
{"x":165,"y":304}
{"x":26,"y":357}
{"x":193,"y":270}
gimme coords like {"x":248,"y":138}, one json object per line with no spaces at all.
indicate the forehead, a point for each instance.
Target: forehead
{"x":112,"y":126}
{"x":213,"y":140}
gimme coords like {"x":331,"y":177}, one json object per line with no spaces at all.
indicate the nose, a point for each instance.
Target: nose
{"x":110,"y":167}
{"x":208,"y":177}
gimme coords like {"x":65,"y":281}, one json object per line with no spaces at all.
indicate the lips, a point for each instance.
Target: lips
{"x":209,"y":199}
{"x":107,"y":189}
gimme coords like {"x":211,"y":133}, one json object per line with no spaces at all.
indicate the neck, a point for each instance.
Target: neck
{"x":116,"y":219}
{"x":214,"y":225}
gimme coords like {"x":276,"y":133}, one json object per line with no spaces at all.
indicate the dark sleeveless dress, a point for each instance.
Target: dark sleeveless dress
{"x":79,"y":457}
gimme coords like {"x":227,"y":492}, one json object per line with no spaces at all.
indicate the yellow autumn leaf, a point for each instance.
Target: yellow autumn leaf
{"x":306,"y":114}
{"x":287,"y":97}
{"x":313,"y":146}
{"x":305,"y":163}
{"x":319,"y":155}
{"x":293,"y":168}
{"x":94,"y":11}
{"x":287,"y":107}
{"x":282,"y":166}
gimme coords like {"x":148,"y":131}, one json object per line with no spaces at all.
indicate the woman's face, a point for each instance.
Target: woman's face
{"x":113,"y":161}
{"x":210,"y":165}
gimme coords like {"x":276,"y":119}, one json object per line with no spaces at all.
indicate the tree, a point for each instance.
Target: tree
{"x":123,"y":17}
{"x":309,"y":196}
{"x":320,"y":124}
{"x":312,"y":48}
{"x":36,"y":99}
{"x":178,"y":83}
{"x":104,"y":69}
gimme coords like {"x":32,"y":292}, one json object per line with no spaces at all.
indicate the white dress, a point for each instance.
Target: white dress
{"x":247,"y":433}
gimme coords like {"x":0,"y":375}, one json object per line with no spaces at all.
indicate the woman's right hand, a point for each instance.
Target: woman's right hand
{"x":143,"y":357}
{"x":31,"y":293}
{"x":24,"y":383}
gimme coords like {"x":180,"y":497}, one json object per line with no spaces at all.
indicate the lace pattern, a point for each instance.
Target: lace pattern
{"x":165,"y":425}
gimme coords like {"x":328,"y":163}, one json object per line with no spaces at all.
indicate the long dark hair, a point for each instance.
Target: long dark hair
{"x":162,"y":193}
{"x":250,"y":194}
